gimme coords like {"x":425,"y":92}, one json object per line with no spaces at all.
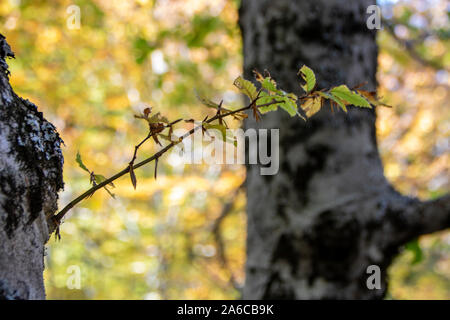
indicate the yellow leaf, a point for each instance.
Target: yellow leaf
{"x":312,"y":105}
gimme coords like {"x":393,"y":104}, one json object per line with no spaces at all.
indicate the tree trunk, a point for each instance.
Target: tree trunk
{"x":30,"y":176}
{"x":316,"y":226}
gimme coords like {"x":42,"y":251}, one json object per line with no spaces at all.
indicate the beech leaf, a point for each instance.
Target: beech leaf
{"x":345,"y":94}
{"x":310,"y":78}
{"x":312,"y":105}
{"x":80,"y":163}
{"x":246,"y":87}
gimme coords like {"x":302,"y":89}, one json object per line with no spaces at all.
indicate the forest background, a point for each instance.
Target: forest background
{"x":170,"y":238}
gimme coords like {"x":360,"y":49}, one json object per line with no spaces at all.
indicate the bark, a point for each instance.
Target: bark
{"x":315,"y":227}
{"x":30,"y":176}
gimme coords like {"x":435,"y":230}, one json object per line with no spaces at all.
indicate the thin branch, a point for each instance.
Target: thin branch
{"x":157,"y":127}
{"x":226,"y":209}
{"x":151,"y":134}
{"x":136,"y":147}
{"x":58,"y":217}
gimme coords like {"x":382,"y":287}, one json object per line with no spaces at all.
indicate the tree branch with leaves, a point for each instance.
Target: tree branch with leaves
{"x":266,"y":98}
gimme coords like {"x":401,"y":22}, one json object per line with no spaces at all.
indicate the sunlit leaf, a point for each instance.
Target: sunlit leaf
{"x":100,"y":178}
{"x":308,"y":75}
{"x":269,"y":84}
{"x":335,"y":99}
{"x":289,"y":105}
{"x":264,"y":99}
{"x":246,"y":87}
{"x":344,"y":93}
{"x":80,"y":163}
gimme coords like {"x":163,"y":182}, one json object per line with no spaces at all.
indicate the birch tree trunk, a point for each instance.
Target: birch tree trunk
{"x":316,"y":226}
{"x":30,"y":176}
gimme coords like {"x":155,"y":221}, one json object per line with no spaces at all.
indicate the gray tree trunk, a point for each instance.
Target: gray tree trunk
{"x":30,"y":176}
{"x":315,"y":227}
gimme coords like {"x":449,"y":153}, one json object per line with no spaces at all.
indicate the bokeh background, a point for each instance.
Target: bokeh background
{"x":183,"y":235}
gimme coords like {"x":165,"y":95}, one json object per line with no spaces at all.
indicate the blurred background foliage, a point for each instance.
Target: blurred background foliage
{"x":183,"y":236}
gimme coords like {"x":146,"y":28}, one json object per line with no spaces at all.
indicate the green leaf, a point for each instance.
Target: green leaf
{"x":80,"y":163}
{"x":246,"y":87}
{"x":269,"y":84}
{"x":287,"y":102}
{"x":335,"y":99}
{"x":292,"y":96}
{"x":264,"y":98}
{"x":416,"y":250}
{"x":344,"y":93}
{"x":308,"y":75}
{"x":289,"y":105}
{"x":100,"y":178}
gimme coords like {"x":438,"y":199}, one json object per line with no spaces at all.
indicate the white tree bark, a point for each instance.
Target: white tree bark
{"x":30,"y":176}
{"x":315,"y":227}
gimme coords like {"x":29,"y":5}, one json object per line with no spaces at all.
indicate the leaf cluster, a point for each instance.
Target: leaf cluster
{"x":265,"y":97}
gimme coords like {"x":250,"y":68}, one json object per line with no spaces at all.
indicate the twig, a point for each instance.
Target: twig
{"x":226,"y":209}
{"x":58,"y":217}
